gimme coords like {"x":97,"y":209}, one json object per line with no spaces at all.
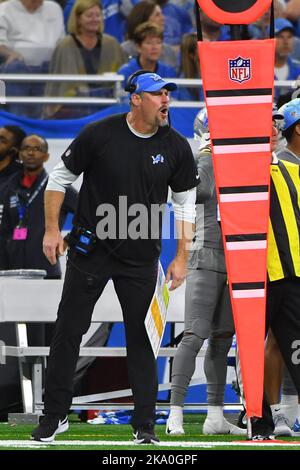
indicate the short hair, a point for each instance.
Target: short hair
{"x":79,"y":7}
{"x":139,"y":14}
{"x":288,"y":133}
{"x":147,"y":29}
{"x":18,"y":134}
{"x":45,"y":143}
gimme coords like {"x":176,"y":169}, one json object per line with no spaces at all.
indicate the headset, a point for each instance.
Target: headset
{"x":130,"y":86}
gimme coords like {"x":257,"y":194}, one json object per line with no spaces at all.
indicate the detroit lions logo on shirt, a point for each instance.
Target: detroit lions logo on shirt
{"x":157,"y":159}
{"x":13,"y":201}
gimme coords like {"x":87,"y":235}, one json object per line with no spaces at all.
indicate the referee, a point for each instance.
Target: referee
{"x":283,"y":299}
{"x":130,"y":158}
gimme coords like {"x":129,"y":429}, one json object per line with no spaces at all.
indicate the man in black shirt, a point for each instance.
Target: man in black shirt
{"x":11,"y":138}
{"x":23,"y":227}
{"x":128,"y":162}
{"x":10,"y":141}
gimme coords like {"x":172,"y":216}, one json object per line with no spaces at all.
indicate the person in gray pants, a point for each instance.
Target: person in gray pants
{"x":207,"y":304}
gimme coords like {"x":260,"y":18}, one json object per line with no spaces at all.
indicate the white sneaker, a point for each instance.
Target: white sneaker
{"x":174,"y":425}
{"x":49,"y":426}
{"x":290,"y":412}
{"x":281,"y":426}
{"x":222,"y":427}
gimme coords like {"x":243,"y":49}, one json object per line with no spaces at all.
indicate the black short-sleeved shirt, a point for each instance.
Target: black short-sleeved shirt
{"x":117,"y":163}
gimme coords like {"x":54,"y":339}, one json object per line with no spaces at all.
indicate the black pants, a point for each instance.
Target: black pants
{"x":134,"y":287}
{"x":283,"y":316}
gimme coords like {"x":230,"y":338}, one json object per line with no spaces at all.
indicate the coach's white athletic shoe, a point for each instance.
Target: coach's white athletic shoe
{"x":290,"y":412}
{"x":281,"y":426}
{"x":222,"y":427}
{"x":174,"y":425}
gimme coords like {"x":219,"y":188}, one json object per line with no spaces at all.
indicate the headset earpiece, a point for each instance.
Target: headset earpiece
{"x":130,"y":86}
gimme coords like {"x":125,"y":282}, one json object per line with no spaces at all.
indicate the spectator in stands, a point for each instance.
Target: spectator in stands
{"x":29,"y":32}
{"x":260,"y":29}
{"x":143,"y":11}
{"x":286,"y":68}
{"x":190,"y":65}
{"x":292,"y":12}
{"x":188,"y":6}
{"x":177,"y":22}
{"x":213,"y":31}
{"x":189,"y":58}
{"x":114,"y":13}
{"x":148,"y":38}
{"x":23,"y":224}
{"x":85,"y":50}
{"x":190,"y":68}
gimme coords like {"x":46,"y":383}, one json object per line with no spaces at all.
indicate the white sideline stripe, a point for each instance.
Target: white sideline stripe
{"x":243,"y":148}
{"x":248,"y":293}
{"x":247,"y":245}
{"x":243,"y":197}
{"x":187,"y":444}
{"x":233,"y":100}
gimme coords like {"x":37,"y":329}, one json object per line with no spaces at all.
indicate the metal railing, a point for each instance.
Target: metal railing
{"x":114,"y":79}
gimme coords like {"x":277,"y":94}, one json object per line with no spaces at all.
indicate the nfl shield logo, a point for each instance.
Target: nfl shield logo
{"x":239,"y":69}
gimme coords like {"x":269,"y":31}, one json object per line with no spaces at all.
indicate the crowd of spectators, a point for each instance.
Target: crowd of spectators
{"x":94,"y":37}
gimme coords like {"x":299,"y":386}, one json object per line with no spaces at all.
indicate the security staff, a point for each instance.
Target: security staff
{"x":128,"y":158}
{"x":21,"y":237}
{"x":21,"y":240}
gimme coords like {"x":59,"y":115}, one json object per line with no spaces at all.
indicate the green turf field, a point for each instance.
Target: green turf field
{"x":82,"y":436}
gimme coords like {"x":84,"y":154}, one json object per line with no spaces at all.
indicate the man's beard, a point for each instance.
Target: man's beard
{"x":164,"y":123}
